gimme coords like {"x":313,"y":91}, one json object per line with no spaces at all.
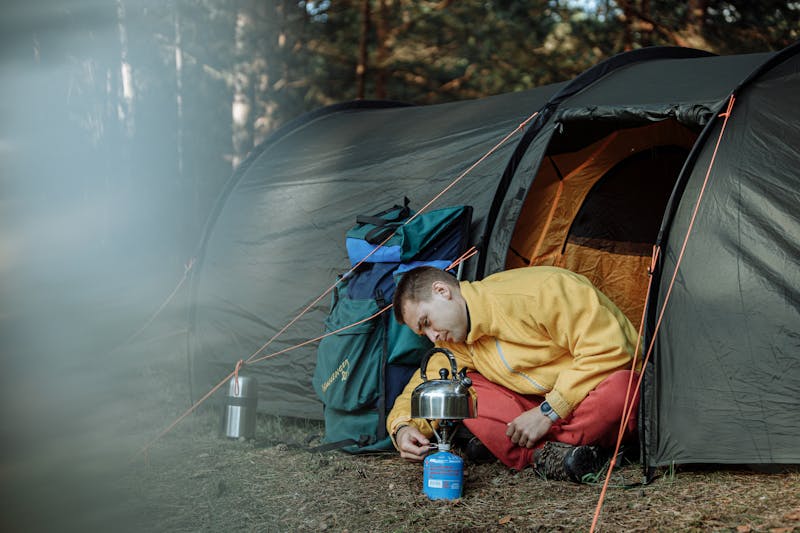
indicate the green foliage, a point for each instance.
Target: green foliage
{"x":426,"y":51}
{"x":276,"y":59}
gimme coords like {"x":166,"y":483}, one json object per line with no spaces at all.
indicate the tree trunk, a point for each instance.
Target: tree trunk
{"x":240,"y":109}
{"x":694,"y":25}
{"x":382,"y":53}
{"x":271,"y":31}
{"x":645,"y":29}
{"x":126,"y":98}
{"x":119,"y":173}
{"x":627,"y":25}
{"x":179,"y":92}
{"x":191,"y":217}
{"x":361,"y":68}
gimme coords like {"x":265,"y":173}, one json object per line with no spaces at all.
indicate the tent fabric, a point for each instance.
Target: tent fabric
{"x":724,"y":380}
{"x":627,"y":96}
{"x":725,"y":383}
{"x":277,"y":240}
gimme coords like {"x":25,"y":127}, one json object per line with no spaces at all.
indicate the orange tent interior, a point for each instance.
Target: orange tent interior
{"x":597,"y":210}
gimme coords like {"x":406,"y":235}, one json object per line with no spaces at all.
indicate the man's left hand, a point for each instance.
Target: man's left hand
{"x":528,"y":428}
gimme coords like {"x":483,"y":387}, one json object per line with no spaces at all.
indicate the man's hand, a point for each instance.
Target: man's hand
{"x":528,"y":428}
{"x":413,"y":445}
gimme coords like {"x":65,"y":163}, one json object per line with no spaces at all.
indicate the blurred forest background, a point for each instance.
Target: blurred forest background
{"x":139,"y":109}
{"x":122,"y":120}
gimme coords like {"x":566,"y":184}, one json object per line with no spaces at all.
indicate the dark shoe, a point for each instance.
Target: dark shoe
{"x":564,"y":462}
{"x":476,"y":452}
{"x":473,"y":449}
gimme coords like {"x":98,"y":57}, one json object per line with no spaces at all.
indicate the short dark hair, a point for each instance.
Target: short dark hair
{"x":415,"y":286}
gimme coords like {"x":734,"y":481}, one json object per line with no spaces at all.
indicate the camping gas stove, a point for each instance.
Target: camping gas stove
{"x":443,"y":403}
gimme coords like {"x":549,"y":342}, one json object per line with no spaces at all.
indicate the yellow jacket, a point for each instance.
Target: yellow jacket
{"x":534,"y":330}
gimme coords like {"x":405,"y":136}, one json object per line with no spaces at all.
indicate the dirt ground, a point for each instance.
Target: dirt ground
{"x":75,"y":460}
{"x":195,"y":480}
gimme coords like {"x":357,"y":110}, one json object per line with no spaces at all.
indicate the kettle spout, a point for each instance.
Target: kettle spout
{"x":464,"y":385}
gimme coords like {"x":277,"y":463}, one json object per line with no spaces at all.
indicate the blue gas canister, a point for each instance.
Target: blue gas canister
{"x":443,"y":476}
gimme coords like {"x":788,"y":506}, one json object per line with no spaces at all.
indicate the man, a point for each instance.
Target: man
{"x":550,"y":359}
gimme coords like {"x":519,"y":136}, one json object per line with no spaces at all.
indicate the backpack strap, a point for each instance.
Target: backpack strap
{"x":403,"y":212}
{"x":339,"y":444}
{"x":378,"y":234}
{"x":381,"y":433}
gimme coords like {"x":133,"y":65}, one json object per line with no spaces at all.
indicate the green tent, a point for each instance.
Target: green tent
{"x":598,"y":172}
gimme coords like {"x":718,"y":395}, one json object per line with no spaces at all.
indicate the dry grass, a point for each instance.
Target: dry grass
{"x":69,"y":468}
{"x":194,"y":480}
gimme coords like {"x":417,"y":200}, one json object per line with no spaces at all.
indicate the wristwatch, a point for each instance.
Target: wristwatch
{"x":548,"y":411}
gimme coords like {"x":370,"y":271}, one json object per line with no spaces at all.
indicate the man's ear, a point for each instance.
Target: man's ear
{"x":442,"y":289}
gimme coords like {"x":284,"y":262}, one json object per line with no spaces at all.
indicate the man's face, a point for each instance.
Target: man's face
{"x":442,"y":317}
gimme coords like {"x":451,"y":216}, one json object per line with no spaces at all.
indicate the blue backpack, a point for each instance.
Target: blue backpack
{"x":360,"y":370}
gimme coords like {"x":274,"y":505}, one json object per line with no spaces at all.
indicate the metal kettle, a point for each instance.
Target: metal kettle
{"x":443,"y":399}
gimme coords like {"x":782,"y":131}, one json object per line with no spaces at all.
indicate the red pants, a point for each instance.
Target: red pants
{"x":596,"y":420}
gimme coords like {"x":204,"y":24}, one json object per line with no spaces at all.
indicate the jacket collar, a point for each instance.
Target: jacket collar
{"x":478,"y":313}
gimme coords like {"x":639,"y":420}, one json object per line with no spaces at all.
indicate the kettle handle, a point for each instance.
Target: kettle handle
{"x":423,"y":364}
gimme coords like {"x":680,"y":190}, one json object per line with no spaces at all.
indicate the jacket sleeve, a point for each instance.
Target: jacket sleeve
{"x":400,"y":415}
{"x":596,"y":333}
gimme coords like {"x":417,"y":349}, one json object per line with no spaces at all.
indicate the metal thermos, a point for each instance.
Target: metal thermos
{"x":443,"y":475}
{"x":239,"y":411}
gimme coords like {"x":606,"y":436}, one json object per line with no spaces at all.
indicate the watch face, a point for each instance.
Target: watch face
{"x":545,"y":407}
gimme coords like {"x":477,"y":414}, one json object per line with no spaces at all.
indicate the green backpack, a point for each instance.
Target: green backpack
{"x":360,"y":370}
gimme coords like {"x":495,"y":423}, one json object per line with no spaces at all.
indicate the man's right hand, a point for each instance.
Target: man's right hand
{"x":413,"y":445}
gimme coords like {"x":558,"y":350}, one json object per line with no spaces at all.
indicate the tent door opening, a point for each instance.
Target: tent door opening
{"x":596,"y":208}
